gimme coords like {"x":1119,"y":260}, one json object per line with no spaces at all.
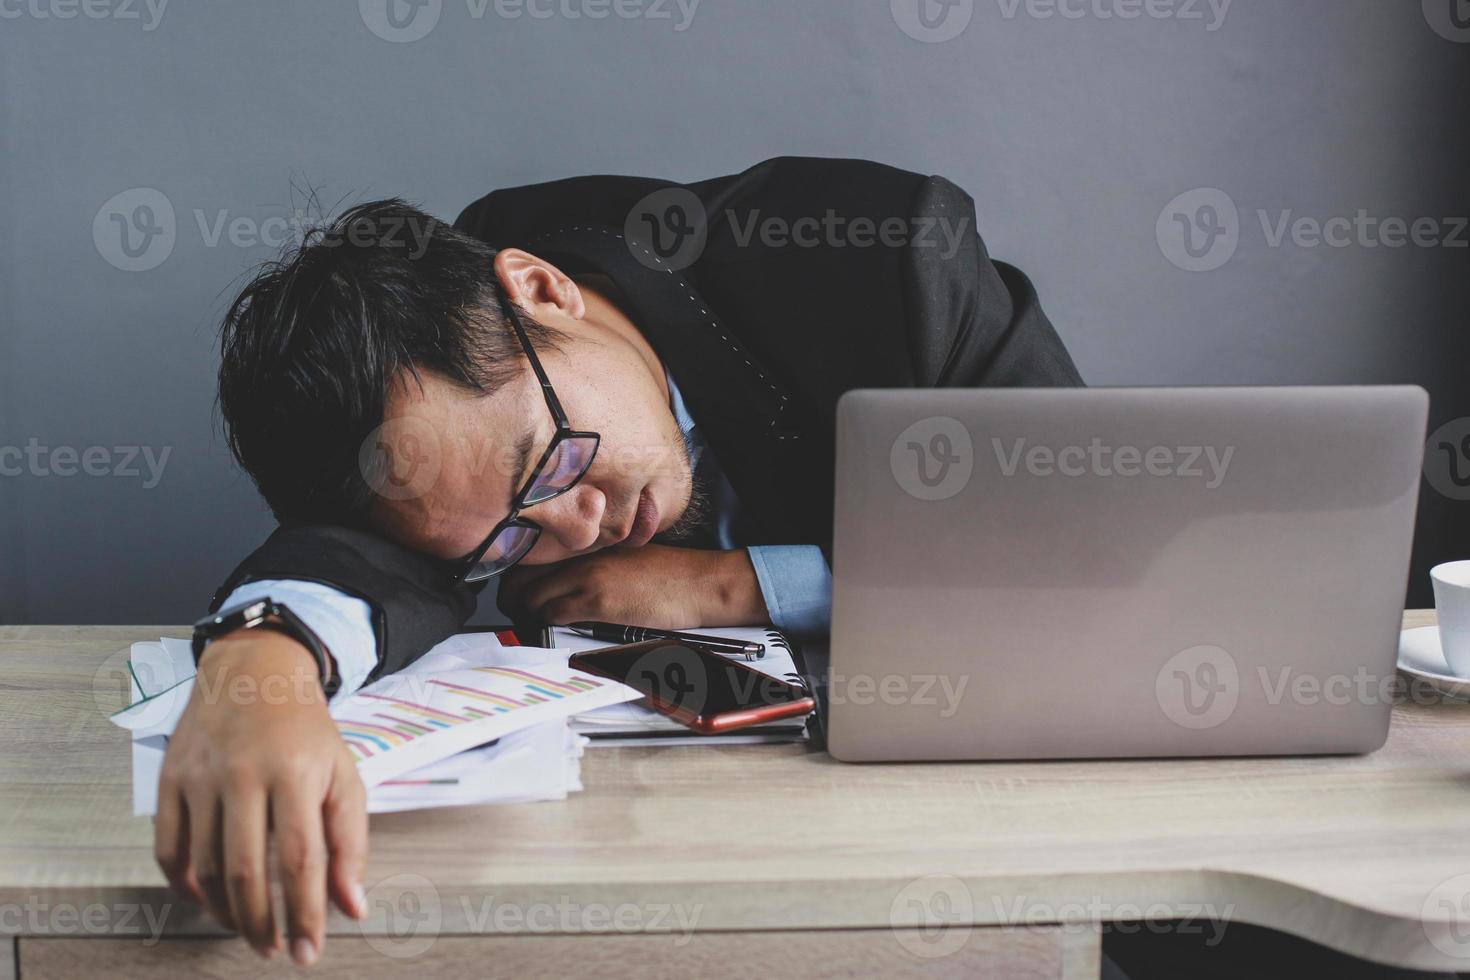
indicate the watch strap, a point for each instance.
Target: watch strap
{"x":291,"y":625}
{"x":284,"y":621}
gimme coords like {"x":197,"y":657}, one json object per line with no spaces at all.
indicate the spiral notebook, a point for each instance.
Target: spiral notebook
{"x":633,"y":723}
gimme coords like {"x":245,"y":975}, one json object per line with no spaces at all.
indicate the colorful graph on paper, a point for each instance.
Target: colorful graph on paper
{"x":400,"y":720}
{"x":405,"y":721}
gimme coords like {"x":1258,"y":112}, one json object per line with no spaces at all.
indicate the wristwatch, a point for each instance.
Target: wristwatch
{"x":266,"y":614}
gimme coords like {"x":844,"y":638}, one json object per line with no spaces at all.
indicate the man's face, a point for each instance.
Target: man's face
{"x":460,"y":456}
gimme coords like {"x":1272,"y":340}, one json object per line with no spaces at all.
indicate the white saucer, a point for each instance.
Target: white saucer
{"x":1420,"y":656}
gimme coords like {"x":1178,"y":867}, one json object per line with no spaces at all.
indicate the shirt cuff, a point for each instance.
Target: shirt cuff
{"x":343,"y":623}
{"x":796,"y":584}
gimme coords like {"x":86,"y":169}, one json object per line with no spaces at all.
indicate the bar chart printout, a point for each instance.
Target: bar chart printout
{"x":409,"y":720}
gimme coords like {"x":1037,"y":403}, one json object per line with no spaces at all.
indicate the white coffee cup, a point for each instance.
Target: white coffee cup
{"x":1452,"y":601}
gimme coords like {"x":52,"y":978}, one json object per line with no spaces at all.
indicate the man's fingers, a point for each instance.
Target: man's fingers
{"x":247,"y":878}
{"x":171,"y":842}
{"x":516,"y":582}
{"x":539,"y":597}
{"x":567,"y":609}
{"x":206,"y":853}
{"x":524,"y":574}
{"x":508,"y":596}
{"x":296,"y":811}
{"x":345,"y":816}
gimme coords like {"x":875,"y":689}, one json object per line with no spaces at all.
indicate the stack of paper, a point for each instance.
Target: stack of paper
{"x":633,"y":723}
{"x":470,"y":722}
{"x":629,"y":721}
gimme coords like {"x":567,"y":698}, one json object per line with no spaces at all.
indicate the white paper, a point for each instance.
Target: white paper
{"x":542,"y":763}
{"x":410,"y":719}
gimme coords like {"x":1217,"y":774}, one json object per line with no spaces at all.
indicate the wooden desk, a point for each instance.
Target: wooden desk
{"x":808,"y":861}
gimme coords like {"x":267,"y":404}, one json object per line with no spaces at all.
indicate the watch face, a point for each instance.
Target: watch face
{"x":236,"y":617}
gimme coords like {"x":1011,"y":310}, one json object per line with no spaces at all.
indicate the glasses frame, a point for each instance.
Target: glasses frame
{"x":564,"y":432}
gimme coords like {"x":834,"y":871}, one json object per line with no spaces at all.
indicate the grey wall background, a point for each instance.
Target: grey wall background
{"x":1072,"y":132}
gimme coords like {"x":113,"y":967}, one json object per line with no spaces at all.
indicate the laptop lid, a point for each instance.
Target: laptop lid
{"x":1085,"y":573}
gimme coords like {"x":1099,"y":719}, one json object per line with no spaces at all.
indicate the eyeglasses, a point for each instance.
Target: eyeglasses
{"x":564,"y":463}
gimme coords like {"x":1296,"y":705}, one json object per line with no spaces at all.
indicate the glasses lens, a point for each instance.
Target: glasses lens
{"x":509,"y":547}
{"x":561,"y":472}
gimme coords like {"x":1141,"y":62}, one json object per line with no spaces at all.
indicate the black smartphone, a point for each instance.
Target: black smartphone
{"x":697,"y":687}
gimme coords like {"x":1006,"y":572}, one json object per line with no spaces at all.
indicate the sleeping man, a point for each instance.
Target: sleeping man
{"x":613,"y":396}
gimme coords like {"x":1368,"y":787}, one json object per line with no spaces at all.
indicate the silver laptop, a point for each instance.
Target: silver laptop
{"x":1093,"y":573}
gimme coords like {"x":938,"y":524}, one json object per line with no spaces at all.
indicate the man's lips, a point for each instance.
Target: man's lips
{"x":645,"y":522}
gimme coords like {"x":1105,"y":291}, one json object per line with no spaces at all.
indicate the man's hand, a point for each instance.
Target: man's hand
{"x":655,"y":585}
{"x":255,"y":752}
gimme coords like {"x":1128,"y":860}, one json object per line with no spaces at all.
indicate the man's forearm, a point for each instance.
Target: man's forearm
{"x":732,"y":591}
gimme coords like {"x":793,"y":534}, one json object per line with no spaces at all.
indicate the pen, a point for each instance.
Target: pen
{"x":613,"y":633}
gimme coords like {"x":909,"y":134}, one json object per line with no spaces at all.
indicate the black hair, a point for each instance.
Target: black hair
{"x":311,"y":346}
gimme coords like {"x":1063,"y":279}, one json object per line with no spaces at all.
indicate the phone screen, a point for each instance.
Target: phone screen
{"x":689,"y":682}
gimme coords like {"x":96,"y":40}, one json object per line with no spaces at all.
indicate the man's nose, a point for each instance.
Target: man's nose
{"x":574,"y":519}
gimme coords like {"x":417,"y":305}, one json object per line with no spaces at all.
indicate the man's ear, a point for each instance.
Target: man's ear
{"x":537,"y":285}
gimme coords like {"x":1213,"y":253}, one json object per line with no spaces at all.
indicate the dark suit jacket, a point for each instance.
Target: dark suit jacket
{"x":761,"y":334}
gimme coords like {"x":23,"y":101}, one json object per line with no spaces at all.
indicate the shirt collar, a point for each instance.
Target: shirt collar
{"x":676,"y":402}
